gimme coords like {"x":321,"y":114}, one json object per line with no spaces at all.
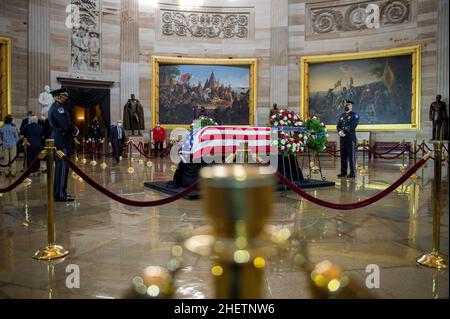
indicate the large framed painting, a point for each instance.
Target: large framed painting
{"x":384,"y":86}
{"x":185,"y":88}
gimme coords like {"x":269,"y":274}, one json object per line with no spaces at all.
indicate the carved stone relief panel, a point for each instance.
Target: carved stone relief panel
{"x":206,"y":23}
{"x":85,"y":36}
{"x":334,"y":17}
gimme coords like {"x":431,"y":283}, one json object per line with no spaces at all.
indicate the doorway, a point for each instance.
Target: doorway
{"x":83,"y":116}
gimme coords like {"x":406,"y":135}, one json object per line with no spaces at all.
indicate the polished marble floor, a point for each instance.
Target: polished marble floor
{"x":112,"y":243}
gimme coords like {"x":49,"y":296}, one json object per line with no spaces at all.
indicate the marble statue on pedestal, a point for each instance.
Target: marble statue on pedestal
{"x":46,"y":99}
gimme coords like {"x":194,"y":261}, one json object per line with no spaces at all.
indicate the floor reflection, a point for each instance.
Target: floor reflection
{"x":112,"y":243}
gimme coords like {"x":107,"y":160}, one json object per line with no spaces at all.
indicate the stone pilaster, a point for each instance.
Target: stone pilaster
{"x":129,"y":51}
{"x":38,"y":51}
{"x":442,"y":50}
{"x":279,"y":75}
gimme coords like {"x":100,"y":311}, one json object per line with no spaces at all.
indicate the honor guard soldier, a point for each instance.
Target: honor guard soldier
{"x":63,"y":132}
{"x":346,"y":127}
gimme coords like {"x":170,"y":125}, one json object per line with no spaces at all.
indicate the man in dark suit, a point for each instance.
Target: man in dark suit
{"x":26,"y":121}
{"x":63,"y":131}
{"x":117,"y":139}
{"x":34,"y":133}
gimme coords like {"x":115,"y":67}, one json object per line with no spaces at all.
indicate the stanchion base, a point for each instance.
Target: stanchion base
{"x":83,"y":161}
{"x":414,"y":177}
{"x":130,"y":170}
{"x":141,"y":162}
{"x":27,"y":182}
{"x":363,"y":172}
{"x":93,"y":163}
{"x":149,"y":164}
{"x":51,"y":252}
{"x":432,"y":260}
{"x":103,"y":165}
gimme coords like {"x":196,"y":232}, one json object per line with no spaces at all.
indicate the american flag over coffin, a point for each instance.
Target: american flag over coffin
{"x":224,"y":140}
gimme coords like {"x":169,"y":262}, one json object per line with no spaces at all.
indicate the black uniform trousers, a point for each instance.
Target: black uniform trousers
{"x":347,"y":152}
{"x":61,"y":175}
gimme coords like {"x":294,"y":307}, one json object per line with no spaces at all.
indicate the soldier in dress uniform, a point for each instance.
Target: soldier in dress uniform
{"x":346,"y":126}
{"x":63,"y":132}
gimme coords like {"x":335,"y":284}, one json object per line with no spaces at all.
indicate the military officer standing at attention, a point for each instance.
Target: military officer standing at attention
{"x":63,"y":132}
{"x":346,"y":127}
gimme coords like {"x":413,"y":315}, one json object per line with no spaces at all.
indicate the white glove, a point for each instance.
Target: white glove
{"x":341,"y":133}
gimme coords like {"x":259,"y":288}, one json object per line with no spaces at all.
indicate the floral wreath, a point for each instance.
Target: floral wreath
{"x":317,"y":133}
{"x":204,"y":121}
{"x":290,"y":142}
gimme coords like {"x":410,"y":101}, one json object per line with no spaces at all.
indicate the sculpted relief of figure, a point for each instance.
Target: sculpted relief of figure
{"x":85,"y":45}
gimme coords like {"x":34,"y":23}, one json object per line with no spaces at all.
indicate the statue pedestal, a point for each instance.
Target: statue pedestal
{"x":136,"y":141}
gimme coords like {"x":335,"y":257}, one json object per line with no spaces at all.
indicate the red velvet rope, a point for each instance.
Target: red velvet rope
{"x":385,"y":157}
{"x":354,"y":205}
{"x":390,"y":150}
{"x":138,"y":148}
{"x":122,"y":200}
{"x":22,"y":177}
{"x":142,"y":152}
{"x":10,"y":162}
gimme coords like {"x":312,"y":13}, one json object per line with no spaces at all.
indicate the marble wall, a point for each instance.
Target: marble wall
{"x":14,"y":24}
{"x":278,"y":33}
{"x":421,"y":28}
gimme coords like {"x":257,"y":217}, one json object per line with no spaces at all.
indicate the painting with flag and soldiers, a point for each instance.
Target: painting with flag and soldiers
{"x":384,"y":86}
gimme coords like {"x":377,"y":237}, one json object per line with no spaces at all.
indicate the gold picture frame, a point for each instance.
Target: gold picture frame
{"x":5,"y":76}
{"x":414,"y":51}
{"x":252,"y":63}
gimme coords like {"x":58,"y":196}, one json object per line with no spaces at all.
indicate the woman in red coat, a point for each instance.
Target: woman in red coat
{"x":159,"y":136}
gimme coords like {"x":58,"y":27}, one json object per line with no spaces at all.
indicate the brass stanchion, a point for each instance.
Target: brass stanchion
{"x":52,"y":250}
{"x":434,"y":259}
{"x":237,"y":199}
{"x":93,"y":162}
{"x":130,"y":158}
{"x":403,"y":166}
{"x":149,"y":162}
{"x":141,"y":161}
{"x":246,"y":152}
{"x":363,"y":170}
{"x":83,"y":159}
{"x":75,"y":150}
{"x":423,"y":154}
{"x":103,"y":165}
{"x":414,"y":177}
{"x":27,"y":181}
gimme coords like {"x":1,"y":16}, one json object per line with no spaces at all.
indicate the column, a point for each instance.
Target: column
{"x":129,"y":51}
{"x":442,"y":50}
{"x":279,"y":75}
{"x":38,"y":51}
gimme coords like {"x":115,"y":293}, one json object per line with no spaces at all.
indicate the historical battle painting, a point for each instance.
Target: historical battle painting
{"x":187,"y":91}
{"x":382,"y":88}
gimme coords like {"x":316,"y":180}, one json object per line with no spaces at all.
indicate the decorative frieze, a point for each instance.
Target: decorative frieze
{"x":333,"y":17}
{"x":85,"y":35}
{"x":209,"y":24}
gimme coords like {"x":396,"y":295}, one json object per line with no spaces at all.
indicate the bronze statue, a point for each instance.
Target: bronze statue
{"x":133,"y":116}
{"x":438,"y":114}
